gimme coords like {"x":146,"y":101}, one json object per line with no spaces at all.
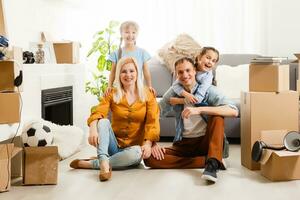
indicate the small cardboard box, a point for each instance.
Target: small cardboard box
{"x":10,"y":69}
{"x":66,"y":52}
{"x":7,"y":76}
{"x":9,"y":108}
{"x":265,"y":111}
{"x":7,"y":152}
{"x":40,"y":165}
{"x":269,"y":78}
{"x":279,"y":165}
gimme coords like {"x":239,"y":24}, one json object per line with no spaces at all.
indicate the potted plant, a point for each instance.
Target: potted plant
{"x":103,"y":45}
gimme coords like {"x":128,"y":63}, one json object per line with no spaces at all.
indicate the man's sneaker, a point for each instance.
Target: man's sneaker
{"x":210,"y":171}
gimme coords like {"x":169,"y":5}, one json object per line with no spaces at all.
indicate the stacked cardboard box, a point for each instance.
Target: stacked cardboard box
{"x":40,"y":164}
{"x":9,"y":99}
{"x":9,"y":113}
{"x":268,"y":106}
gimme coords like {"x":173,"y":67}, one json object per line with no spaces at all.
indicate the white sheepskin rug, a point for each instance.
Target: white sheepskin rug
{"x":69,"y":139}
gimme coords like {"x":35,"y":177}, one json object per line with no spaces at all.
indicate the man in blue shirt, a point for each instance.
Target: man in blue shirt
{"x":197,"y":143}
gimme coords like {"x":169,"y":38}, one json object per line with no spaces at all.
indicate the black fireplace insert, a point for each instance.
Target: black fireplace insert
{"x":57,"y":105}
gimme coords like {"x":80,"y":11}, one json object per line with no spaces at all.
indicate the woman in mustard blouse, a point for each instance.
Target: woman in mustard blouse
{"x":134,"y":123}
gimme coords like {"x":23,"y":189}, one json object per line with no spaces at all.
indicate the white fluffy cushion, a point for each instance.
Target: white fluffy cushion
{"x":232,"y":80}
{"x":183,"y":46}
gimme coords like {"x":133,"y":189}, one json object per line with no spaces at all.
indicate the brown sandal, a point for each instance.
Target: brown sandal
{"x":75,"y":163}
{"x":105,"y":176}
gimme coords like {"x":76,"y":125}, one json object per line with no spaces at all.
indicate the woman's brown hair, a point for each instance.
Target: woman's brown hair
{"x":202,"y":53}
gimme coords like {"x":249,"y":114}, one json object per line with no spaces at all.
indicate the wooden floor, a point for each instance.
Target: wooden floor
{"x":235,"y":183}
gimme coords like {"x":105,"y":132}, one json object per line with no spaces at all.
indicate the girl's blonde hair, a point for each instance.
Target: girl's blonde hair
{"x":118,"y":85}
{"x":125,"y":25}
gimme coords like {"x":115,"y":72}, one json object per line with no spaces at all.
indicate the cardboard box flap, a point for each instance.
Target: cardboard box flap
{"x":266,"y":154}
{"x":286,"y":153}
{"x":283,"y":153}
{"x":298,"y":58}
{"x":63,"y":42}
{"x":44,"y":150}
{"x":8,"y":151}
{"x":16,"y":150}
{"x":273,"y":137}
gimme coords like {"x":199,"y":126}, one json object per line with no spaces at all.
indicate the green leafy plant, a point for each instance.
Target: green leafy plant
{"x":104,"y":43}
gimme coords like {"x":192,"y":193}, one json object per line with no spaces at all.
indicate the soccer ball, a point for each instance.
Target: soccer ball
{"x":37,"y":134}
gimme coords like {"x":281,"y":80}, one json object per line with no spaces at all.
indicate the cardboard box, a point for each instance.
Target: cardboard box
{"x":7,"y":152}
{"x":298,"y":86}
{"x":2,"y":21}
{"x":9,"y":108}
{"x":297,"y":61}
{"x":265,"y":111}
{"x":7,"y":76}
{"x":269,"y":78}
{"x":40,"y":165}
{"x":17,"y":160}
{"x":66,"y":52}
{"x":14,"y":60}
{"x":279,"y":165}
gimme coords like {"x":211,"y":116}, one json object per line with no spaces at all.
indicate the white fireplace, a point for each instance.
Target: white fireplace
{"x":38,"y":77}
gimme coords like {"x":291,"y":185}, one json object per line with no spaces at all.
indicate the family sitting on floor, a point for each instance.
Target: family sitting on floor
{"x":133,"y":132}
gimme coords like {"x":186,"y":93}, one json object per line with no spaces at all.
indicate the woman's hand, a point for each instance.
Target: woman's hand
{"x":188,"y":111}
{"x":93,"y":138}
{"x":158,"y":152}
{"x":146,"y":150}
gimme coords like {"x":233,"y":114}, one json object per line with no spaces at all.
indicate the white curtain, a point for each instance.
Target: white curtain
{"x":232,"y":26}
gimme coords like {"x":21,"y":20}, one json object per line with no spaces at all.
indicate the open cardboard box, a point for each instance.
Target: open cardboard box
{"x":40,"y":165}
{"x":279,"y":165}
{"x":66,"y":52}
{"x":7,"y":152}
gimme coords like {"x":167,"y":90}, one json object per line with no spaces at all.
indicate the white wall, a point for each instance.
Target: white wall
{"x":283,"y":29}
{"x":233,"y":26}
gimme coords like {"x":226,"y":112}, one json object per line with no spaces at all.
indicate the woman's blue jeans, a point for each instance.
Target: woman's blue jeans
{"x":108,"y":149}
